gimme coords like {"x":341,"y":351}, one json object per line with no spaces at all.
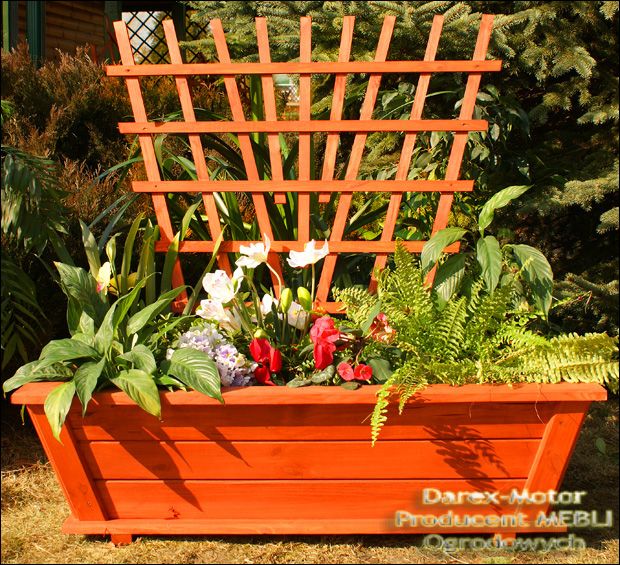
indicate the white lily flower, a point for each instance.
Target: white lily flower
{"x":220,"y":286}
{"x":104,"y":276}
{"x":309,"y":256}
{"x":213,"y":310}
{"x":255,"y":254}
{"x":297,"y":316}
{"x":266,"y":303}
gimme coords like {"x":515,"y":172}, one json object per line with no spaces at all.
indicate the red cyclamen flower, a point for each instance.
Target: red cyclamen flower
{"x":361,"y":373}
{"x":269,"y":360}
{"x":324,"y":335}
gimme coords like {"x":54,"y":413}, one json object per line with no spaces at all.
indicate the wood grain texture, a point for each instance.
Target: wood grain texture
{"x":407,"y":151}
{"x":227,"y":68}
{"x":349,"y":246}
{"x":396,"y":186}
{"x":281,"y":500}
{"x":35,"y":393}
{"x":232,"y":91}
{"x":304,"y":460}
{"x":304,"y":126}
{"x":460,"y":139}
{"x":67,"y":462}
{"x":355,"y":158}
{"x":340,"y":84}
{"x":148,"y":154}
{"x":314,"y":422}
{"x":202,"y":172}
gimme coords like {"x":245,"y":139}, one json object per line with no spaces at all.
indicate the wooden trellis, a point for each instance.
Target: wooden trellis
{"x":305,"y":126}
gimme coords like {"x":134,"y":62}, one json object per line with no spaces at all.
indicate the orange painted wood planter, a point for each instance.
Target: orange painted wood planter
{"x":276,"y":460}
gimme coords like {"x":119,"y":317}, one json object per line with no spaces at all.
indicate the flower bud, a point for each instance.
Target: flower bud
{"x":304,"y":298}
{"x":260,"y":333}
{"x":286,"y":299}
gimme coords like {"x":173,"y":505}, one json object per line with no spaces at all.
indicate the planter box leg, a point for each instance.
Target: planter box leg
{"x":121,"y":539}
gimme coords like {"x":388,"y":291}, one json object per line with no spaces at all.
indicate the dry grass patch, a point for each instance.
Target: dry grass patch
{"x":33,"y":510}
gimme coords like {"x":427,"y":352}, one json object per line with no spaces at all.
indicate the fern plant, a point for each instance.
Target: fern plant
{"x":478,"y":336}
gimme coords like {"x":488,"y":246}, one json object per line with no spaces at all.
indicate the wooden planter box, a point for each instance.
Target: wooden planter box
{"x":299,"y":461}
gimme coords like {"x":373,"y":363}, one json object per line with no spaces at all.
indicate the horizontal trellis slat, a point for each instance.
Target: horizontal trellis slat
{"x":304,"y":186}
{"x":322,"y":67}
{"x":304,"y":126}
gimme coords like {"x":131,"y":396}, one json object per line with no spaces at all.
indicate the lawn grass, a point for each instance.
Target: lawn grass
{"x":33,"y":510}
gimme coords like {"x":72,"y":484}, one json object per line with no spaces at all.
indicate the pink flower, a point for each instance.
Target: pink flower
{"x":324,"y":335}
{"x":361,"y":372}
{"x":346,"y":371}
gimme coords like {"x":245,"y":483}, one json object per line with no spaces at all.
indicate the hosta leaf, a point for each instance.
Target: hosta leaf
{"x":434,"y":247}
{"x":489,"y":256}
{"x":448,"y":277}
{"x":142,"y":357}
{"x":538,"y":274}
{"x":196,"y":370}
{"x":141,"y":388}
{"x":57,"y":405}
{"x":66,"y":350}
{"x":498,"y":200}
{"x":33,"y":372}
{"x":85,"y":380}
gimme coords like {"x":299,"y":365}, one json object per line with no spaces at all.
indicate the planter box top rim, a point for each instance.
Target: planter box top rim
{"x":36,"y":393}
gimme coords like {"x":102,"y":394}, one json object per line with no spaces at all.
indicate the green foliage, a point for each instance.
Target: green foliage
{"x":476,"y":337}
{"x":552,"y":112}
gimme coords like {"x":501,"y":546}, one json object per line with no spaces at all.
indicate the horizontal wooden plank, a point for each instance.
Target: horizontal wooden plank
{"x":35,"y":393}
{"x":350,"y":246}
{"x":322,"y":67}
{"x":313,"y":422}
{"x":403,"y":459}
{"x":303,"y":126}
{"x":391,"y":186}
{"x":271,"y":501}
{"x":287,"y":526}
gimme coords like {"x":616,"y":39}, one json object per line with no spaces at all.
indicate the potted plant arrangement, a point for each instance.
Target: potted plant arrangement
{"x":255,"y":411}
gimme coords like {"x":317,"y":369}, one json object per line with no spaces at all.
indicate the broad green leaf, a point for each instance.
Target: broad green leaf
{"x":148,"y":314}
{"x":141,"y":388}
{"x":498,"y":200}
{"x":537,"y":273}
{"x":489,"y":256}
{"x":448,"y":277}
{"x":34,"y":372}
{"x":57,"y":405}
{"x":85,"y":380}
{"x":74,"y":312}
{"x":82,"y":286}
{"x":66,"y":350}
{"x":352,"y":385}
{"x":91,"y":249}
{"x":105,"y":333}
{"x":434,"y":247}
{"x":381,"y":370}
{"x":142,"y":357}
{"x":196,"y":370}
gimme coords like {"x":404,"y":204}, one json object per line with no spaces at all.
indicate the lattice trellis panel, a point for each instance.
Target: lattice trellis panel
{"x":304,"y":126}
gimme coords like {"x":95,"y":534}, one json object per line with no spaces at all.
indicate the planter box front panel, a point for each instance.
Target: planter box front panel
{"x":289,"y":461}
